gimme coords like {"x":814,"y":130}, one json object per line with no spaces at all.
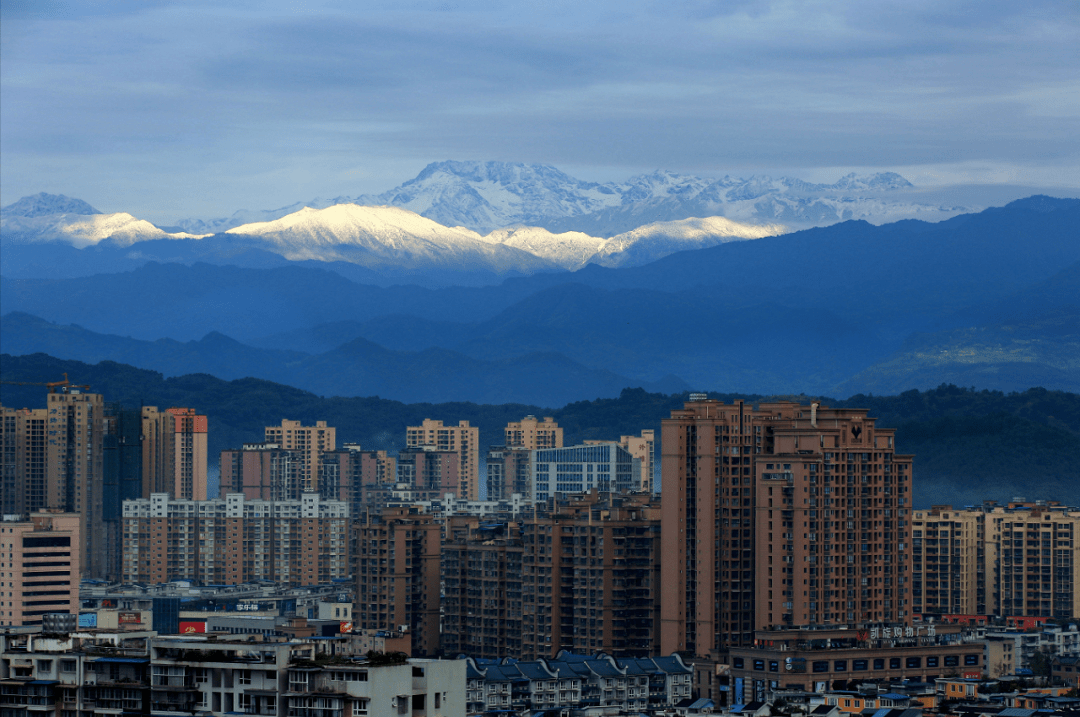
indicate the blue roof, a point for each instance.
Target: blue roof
{"x":44,"y":682}
{"x":124,"y":660}
{"x":882,"y":712}
{"x":895,"y":696}
{"x":702,"y":703}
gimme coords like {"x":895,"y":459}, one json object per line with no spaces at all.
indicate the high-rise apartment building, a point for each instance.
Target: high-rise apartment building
{"x":40,"y":561}
{"x":174,"y":453}
{"x":591,"y":577}
{"x":431,"y":473}
{"x":481,"y":576}
{"x":262,"y":471}
{"x":235,"y":540}
{"x":189,"y":434}
{"x":349,"y":473}
{"x":397,"y":575}
{"x":22,"y":473}
{"x":509,"y":471}
{"x":122,"y":462}
{"x":463,"y":439}
{"x":532,"y":434}
{"x":309,"y":442}
{"x":74,"y":470}
{"x":780,"y":516}
{"x":1015,"y":560}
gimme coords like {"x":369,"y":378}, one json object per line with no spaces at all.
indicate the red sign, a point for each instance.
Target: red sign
{"x":973,"y":675}
{"x":129,"y":618}
{"x":191,"y":627}
{"x":345,"y":627}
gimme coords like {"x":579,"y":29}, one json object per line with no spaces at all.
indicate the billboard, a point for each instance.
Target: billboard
{"x":129,"y":618}
{"x":189,"y":627}
{"x":345,"y":626}
{"x":88,"y":619}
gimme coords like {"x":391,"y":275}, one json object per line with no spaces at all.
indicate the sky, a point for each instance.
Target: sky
{"x":189,"y":109}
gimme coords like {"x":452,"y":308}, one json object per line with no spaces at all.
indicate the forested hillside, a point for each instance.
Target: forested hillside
{"x":969,"y":445}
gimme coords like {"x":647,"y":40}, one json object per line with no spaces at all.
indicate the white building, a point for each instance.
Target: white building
{"x":607,"y":467}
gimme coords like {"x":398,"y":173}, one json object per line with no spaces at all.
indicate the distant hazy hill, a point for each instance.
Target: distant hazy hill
{"x":968,"y":445}
{"x":1044,"y":351}
{"x":805,"y":311}
{"x":356,"y":367}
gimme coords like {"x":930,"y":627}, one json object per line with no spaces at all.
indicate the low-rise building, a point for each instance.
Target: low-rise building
{"x":815,"y":659}
{"x":571,"y":681}
{"x":87,"y":673}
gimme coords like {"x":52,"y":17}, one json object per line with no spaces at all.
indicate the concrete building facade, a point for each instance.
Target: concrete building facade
{"x":23,"y":440}
{"x":481,"y":576}
{"x":606,"y":467}
{"x":509,"y":471}
{"x":175,"y":455}
{"x":75,"y":481}
{"x":463,"y":439}
{"x":782,"y":515}
{"x":532,"y":434}
{"x":398,"y":553}
{"x":643,"y":449}
{"x":1020,"y":559}
{"x":591,"y":577}
{"x":308,"y":442}
{"x":234,"y":540}
{"x":40,"y":562}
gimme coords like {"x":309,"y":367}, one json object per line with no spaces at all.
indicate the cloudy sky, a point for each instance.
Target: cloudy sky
{"x":176,"y":109}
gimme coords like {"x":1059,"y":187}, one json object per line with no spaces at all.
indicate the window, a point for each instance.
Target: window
{"x":244,"y":677}
{"x":879,"y":663}
{"x":932,"y":661}
{"x":894,"y":663}
{"x":821,"y":666}
{"x":68,"y":665}
{"x":971,"y":659}
{"x":774,"y":666}
{"x":952,"y":660}
{"x":913,"y":663}
{"x":859,"y":665}
{"x":438,"y":701}
{"x":737,"y":663}
{"x":360,"y":707}
{"x":759,"y":665}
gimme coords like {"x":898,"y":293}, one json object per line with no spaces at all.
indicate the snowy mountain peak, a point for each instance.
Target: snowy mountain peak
{"x":83,"y":230}
{"x":42,"y":204}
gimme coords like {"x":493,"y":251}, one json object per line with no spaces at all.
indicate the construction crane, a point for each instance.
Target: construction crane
{"x":53,"y":386}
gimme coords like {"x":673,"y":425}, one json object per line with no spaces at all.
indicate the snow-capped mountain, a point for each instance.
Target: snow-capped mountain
{"x":378,"y":237}
{"x":42,"y":204}
{"x":81,"y":230}
{"x":485,"y":196}
{"x":570,"y":250}
{"x":655,"y":241}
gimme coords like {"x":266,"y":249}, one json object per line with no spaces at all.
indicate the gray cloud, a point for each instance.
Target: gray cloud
{"x":169,"y":109}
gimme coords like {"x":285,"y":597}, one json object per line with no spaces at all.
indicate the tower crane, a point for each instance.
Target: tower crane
{"x":53,"y":386}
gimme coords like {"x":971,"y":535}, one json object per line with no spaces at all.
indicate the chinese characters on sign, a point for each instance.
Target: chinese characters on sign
{"x":893,"y":632}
